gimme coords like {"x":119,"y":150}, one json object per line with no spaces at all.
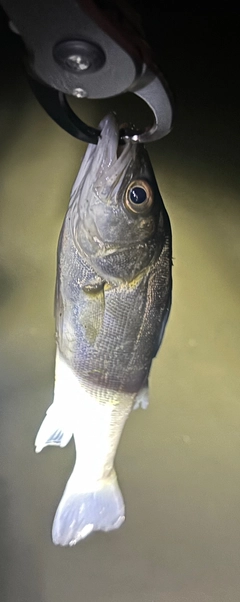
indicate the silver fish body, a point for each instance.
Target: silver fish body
{"x":113,"y":297}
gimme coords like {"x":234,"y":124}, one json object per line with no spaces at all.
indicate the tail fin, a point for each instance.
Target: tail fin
{"x":86,"y":509}
{"x":56,"y":428}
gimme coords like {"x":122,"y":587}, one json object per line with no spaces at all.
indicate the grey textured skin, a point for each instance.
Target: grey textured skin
{"x":113,"y":292}
{"x":113,"y":296}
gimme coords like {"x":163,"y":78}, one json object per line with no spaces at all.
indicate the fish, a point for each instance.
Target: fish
{"x":112,"y":303}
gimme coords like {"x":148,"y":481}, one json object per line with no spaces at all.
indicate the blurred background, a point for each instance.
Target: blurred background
{"x":178,"y":462}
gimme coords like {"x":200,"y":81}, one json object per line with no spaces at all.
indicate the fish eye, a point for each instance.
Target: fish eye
{"x":139,"y":196}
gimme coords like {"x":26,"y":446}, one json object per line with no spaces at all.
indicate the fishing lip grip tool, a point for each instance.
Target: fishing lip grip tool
{"x":93,"y":49}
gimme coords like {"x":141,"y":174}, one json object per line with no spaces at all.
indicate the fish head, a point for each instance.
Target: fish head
{"x":117,"y":213}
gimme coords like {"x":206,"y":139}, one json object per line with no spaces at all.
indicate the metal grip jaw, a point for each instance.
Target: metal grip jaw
{"x":152,"y":91}
{"x":77,"y":48}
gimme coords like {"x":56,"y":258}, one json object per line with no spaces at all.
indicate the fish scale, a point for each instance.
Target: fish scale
{"x":112,"y":302}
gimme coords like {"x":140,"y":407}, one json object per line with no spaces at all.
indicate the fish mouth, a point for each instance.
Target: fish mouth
{"x":109,"y":139}
{"x":113,"y":158}
{"x":105,"y":164}
{"x":109,"y":142}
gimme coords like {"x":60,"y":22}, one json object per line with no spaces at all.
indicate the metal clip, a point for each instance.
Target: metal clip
{"x":150,"y":87}
{"x":108,"y":57}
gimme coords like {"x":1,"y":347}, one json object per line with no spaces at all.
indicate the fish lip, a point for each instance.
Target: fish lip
{"x":110,"y":135}
{"x":103,"y":167}
{"x":111,"y":158}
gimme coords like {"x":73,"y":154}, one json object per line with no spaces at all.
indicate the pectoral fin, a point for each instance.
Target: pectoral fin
{"x":141,"y":399}
{"x":92,"y":311}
